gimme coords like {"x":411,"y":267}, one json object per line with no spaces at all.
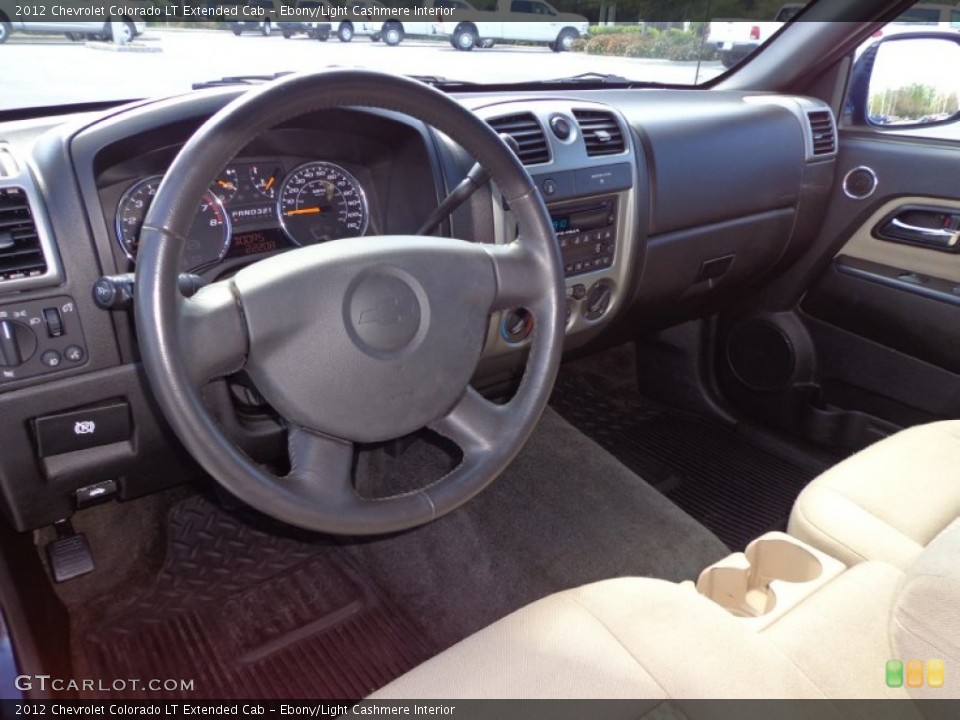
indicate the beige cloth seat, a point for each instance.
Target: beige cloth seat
{"x":890,"y":512}
{"x":886,"y":502}
{"x":638,"y":638}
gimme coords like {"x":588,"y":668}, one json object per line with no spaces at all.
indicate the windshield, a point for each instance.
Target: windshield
{"x":61,"y":52}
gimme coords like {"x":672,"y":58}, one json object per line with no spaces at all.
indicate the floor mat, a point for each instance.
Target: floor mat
{"x":250,"y":608}
{"x":734,"y":487}
{"x":246,"y":608}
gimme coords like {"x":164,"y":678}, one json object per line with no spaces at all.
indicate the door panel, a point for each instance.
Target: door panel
{"x":861,"y":335}
{"x":865,"y":245}
{"x":893,"y":307}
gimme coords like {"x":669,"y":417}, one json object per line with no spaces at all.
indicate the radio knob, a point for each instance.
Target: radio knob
{"x":17,"y":343}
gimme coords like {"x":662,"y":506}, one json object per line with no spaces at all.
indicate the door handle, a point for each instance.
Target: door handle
{"x":936,"y":228}
{"x":929,"y":236}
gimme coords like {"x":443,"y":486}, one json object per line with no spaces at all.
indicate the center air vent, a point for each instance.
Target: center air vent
{"x":21,"y":255}
{"x":601,"y":132}
{"x":823,"y":133}
{"x":524,"y":128}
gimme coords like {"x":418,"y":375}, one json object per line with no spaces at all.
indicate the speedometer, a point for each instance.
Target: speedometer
{"x":207,"y":240}
{"x":320,"y":201}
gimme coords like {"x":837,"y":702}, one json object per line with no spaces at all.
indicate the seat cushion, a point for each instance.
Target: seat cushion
{"x":630,"y":638}
{"x":925,"y":623}
{"x":886,"y":502}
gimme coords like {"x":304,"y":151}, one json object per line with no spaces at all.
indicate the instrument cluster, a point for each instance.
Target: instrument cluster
{"x":255,"y":207}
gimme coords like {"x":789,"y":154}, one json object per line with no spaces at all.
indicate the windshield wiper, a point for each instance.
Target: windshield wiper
{"x":598,"y":78}
{"x":438,"y":81}
{"x":238,"y":80}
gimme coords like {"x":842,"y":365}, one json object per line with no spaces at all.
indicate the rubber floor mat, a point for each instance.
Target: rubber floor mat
{"x":733,"y":487}
{"x":254,"y":610}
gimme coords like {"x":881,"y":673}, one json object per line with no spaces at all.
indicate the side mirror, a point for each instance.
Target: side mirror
{"x":907,"y":81}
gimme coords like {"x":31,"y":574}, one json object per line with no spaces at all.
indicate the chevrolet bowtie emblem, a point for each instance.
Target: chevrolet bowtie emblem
{"x":386,"y":312}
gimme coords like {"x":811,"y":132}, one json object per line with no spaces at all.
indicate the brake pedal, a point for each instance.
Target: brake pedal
{"x":69,"y":554}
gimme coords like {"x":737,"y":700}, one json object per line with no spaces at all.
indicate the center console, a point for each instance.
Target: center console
{"x":581,"y":156}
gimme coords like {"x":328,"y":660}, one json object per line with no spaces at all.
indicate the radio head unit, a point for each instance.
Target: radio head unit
{"x":587,"y":234}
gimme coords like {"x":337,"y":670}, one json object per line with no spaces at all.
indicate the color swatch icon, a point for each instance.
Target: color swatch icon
{"x":894,"y":673}
{"x":911,"y":674}
{"x":935,"y":673}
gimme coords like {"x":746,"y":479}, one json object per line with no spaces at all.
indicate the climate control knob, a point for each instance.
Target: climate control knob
{"x":17,"y":343}
{"x":597,"y":302}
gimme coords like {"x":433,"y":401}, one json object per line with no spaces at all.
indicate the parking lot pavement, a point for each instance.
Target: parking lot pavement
{"x":55,"y":70}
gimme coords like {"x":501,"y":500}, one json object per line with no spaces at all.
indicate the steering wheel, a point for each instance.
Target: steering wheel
{"x":351,"y":341}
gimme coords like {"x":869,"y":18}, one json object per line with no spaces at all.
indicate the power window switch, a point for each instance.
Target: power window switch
{"x":51,"y":317}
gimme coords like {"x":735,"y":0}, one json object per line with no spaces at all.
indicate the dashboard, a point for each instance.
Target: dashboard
{"x":663,"y":210}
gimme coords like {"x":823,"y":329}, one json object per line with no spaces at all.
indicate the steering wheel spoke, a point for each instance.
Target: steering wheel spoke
{"x":321,"y":472}
{"x":520,"y":280}
{"x":322,"y":463}
{"x":474,"y":424}
{"x":212,"y":333}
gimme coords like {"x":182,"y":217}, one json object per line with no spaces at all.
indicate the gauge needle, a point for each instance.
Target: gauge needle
{"x":270,"y":182}
{"x":225,"y":184}
{"x":305,"y":211}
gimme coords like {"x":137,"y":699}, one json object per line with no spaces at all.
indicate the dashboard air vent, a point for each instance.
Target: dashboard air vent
{"x":823,"y":133}
{"x":21,"y":255}
{"x":524,"y":128}
{"x":601,"y":132}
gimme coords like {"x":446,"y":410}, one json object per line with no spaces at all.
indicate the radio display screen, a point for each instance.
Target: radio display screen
{"x":561,"y":223}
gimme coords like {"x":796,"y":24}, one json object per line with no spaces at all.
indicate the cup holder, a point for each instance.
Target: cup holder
{"x":772,"y":575}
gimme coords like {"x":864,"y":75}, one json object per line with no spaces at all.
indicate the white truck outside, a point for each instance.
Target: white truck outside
{"x":120,"y":29}
{"x":371,"y":18}
{"x":528,"y":20}
{"x":734,"y":40}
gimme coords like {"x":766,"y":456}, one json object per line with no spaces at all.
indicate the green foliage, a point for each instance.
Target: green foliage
{"x":913,"y":102}
{"x":698,"y":11}
{"x":595,"y":30}
{"x":674,"y":44}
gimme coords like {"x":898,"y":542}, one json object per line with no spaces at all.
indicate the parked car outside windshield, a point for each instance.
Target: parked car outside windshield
{"x":483,"y":41}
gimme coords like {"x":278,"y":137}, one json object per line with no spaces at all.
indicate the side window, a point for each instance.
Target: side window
{"x":955,"y":19}
{"x":541,"y":9}
{"x":520,"y":6}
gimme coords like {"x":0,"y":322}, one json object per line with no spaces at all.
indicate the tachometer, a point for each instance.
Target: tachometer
{"x":320,"y":201}
{"x":207,"y":241}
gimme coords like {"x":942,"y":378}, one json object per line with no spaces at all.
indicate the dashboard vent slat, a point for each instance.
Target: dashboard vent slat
{"x":524,"y":128}
{"x":601,"y":132}
{"x":823,"y":134}
{"x":21,"y":255}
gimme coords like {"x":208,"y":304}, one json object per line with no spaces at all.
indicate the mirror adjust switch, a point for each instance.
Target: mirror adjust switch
{"x":82,"y":429}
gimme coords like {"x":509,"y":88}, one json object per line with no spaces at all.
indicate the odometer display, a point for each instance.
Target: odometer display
{"x":320,"y":201}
